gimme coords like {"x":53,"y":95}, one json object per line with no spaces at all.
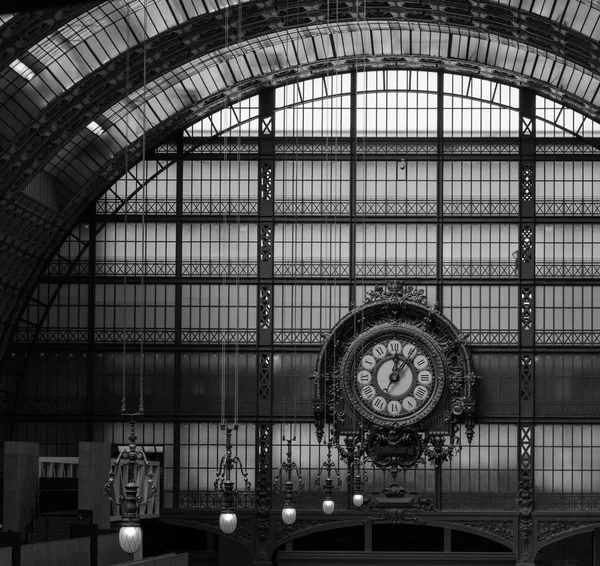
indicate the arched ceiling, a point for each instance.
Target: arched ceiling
{"x":158,"y":65}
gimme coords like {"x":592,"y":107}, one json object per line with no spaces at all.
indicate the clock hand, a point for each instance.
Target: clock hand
{"x":395,"y":373}
{"x":404,"y":362}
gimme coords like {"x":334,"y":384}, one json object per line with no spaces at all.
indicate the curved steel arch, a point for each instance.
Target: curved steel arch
{"x":211,"y":33}
{"x":36,"y":252}
{"x":543,"y":24}
{"x":209,"y":39}
{"x":53,"y":139}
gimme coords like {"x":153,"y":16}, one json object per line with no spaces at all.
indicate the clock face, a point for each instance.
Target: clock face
{"x":393,"y":374}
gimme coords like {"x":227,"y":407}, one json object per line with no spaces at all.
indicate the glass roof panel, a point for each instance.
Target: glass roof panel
{"x":575,"y":16}
{"x":566,"y":76}
{"x":579,"y":15}
{"x":548,"y":8}
{"x":84,"y":43}
{"x":211,"y":74}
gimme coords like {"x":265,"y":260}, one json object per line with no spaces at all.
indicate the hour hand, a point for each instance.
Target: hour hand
{"x":394,"y":376}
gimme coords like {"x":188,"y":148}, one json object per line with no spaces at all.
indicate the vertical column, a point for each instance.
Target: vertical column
{"x":178,"y":318}
{"x":266,"y":228}
{"x":353,"y":191}
{"x":266,"y":225}
{"x":526,"y":265}
{"x":91,"y":328}
{"x":439,"y":256}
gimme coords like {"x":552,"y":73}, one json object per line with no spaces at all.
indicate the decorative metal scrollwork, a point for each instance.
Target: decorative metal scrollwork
{"x":395,"y":448}
{"x":395,"y":434}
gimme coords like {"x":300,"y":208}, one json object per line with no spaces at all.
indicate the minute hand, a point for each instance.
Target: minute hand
{"x":396,"y":370}
{"x":399,"y":369}
{"x":406,"y":360}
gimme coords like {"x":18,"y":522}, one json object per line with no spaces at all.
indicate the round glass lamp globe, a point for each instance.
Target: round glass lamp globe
{"x":288,"y":514}
{"x":228,"y":522}
{"x":358,"y":499}
{"x":130,"y":539}
{"x":328,"y":506}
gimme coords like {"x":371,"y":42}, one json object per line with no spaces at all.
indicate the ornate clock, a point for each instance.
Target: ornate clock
{"x":396,"y":374}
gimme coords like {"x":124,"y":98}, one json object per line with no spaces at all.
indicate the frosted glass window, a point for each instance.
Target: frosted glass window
{"x":218,"y":313}
{"x":489,"y":466}
{"x":146,"y":312}
{"x":239,"y":119}
{"x":498,"y":388}
{"x":480,"y":250}
{"x":136,"y":248}
{"x":567,"y":314}
{"x":206,"y":375}
{"x":567,"y":458}
{"x":312,"y":187}
{"x":316,"y":107}
{"x":401,"y":187}
{"x":482,"y":188}
{"x":303,"y":312}
{"x":73,"y":255}
{"x":556,"y":120}
{"x":148,"y":188}
{"x":567,"y":188}
{"x":396,"y":103}
{"x":566,"y":384}
{"x":217,"y":250}
{"x":486,"y":314}
{"x":292,"y":392}
{"x":312,"y":250}
{"x":56,"y":376}
{"x":220,"y":187}
{"x":476,"y":107}
{"x":389,"y":250}
{"x":567,"y":250}
{"x":61,"y":311}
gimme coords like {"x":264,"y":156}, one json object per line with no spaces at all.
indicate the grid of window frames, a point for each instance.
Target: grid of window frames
{"x":181,"y":257}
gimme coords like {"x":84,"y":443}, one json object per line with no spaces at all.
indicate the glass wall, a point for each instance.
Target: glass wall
{"x":216,"y":269}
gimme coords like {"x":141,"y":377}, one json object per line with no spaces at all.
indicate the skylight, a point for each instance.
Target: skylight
{"x":22,"y":69}
{"x":95,"y":128}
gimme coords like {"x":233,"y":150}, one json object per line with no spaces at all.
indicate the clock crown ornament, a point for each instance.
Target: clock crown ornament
{"x":399,"y":371}
{"x":396,"y":290}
